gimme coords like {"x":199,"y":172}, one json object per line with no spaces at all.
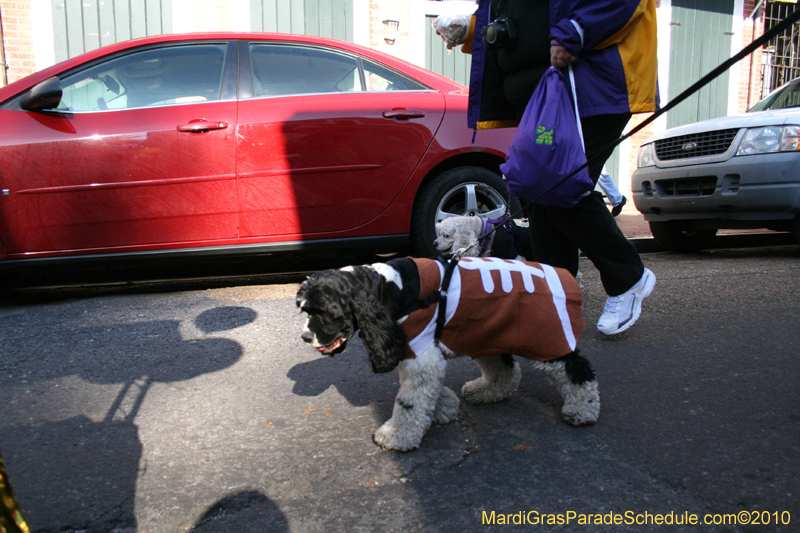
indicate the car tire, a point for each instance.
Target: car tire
{"x":460,"y":191}
{"x":796,"y":228}
{"x":682,"y":236}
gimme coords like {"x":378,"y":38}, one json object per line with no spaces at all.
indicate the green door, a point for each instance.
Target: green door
{"x":323,"y":18}
{"x":700,"y":33}
{"x":81,"y":26}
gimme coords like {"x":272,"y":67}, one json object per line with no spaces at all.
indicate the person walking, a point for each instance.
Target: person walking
{"x":611,"y":45}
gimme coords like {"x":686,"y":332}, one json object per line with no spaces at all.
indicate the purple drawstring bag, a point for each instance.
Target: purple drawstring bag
{"x":548,"y":147}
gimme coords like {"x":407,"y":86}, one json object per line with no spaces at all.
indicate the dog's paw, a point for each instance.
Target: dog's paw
{"x":389,"y":437}
{"x":579,"y":415}
{"x":482,"y":391}
{"x":446,"y":407}
{"x":582,"y":406}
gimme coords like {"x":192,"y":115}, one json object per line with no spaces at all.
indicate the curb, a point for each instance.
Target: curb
{"x":645,"y":245}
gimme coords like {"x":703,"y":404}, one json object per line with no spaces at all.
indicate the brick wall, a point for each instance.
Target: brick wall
{"x":636,"y":141}
{"x":750,"y":76}
{"x":17,"y":38}
{"x":380,"y":10}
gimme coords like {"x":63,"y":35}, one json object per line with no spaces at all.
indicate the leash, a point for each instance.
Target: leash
{"x":702,"y":82}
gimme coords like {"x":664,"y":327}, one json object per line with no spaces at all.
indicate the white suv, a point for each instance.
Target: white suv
{"x":732,"y":172}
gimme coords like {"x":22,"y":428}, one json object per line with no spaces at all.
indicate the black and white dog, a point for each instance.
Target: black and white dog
{"x":492,"y":307}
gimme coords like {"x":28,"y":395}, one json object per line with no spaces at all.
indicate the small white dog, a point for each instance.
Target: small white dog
{"x":457,"y":233}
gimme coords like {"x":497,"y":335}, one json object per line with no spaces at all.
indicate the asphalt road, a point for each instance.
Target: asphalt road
{"x":200,"y":409}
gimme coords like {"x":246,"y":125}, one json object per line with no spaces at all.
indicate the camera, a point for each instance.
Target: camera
{"x":499,"y":33}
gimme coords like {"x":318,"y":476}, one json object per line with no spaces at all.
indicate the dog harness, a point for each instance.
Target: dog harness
{"x":506,"y":244}
{"x":488,"y":231}
{"x":495,"y":306}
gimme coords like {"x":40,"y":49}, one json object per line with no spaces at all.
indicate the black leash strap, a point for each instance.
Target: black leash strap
{"x":449,"y":268}
{"x":440,"y":296}
{"x":702,"y":82}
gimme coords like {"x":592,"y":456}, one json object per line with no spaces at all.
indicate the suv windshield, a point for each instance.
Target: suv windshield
{"x":781,"y":98}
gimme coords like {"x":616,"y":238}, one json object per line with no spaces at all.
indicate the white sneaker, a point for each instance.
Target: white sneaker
{"x":621,"y":312}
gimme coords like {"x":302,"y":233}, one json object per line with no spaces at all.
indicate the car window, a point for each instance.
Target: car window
{"x":287,"y":69}
{"x":161,"y":76}
{"x":782,"y":98}
{"x":380,"y":78}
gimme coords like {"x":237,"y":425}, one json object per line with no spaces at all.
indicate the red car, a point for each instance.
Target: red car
{"x":237,"y":143}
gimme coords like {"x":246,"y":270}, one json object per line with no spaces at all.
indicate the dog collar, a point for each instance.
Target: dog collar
{"x":486,"y":230}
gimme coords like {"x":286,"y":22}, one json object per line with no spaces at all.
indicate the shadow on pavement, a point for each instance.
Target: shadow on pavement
{"x":243,"y":511}
{"x":86,"y":470}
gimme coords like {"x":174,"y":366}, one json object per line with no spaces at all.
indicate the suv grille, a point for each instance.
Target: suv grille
{"x":695,"y":145}
{"x":703,"y":186}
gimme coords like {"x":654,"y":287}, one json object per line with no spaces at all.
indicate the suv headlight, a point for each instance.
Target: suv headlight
{"x":791,"y":138}
{"x":646,"y":155}
{"x":770,"y":139}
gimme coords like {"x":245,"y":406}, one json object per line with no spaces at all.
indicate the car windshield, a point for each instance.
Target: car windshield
{"x":781,"y":98}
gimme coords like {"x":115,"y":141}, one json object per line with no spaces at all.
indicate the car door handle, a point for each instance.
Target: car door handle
{"x":199,"y":126}
{"x":404,"y":114}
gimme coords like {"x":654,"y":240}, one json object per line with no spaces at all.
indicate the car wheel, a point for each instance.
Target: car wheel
{"x":462,"y":191}
{"x":796,"y":228}
{"x":682,"y":236}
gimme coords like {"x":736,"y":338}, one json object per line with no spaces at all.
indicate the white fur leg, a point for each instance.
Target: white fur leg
{"x":497,"y":382}
{"x":581,"y":402}
{"x":446,"y":408}
{"x":420,"y":390}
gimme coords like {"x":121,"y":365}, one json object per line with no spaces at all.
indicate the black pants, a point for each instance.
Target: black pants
{"x":558,"y":233}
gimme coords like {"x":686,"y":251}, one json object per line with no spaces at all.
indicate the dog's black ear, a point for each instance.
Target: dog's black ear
{"x":303,"y":293}
{"x":383,"y":337}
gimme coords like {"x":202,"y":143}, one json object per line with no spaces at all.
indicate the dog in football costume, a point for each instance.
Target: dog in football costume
{"x":491,"y":308}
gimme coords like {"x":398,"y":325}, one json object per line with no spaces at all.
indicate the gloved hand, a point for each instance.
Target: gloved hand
{"x":452,"y":28}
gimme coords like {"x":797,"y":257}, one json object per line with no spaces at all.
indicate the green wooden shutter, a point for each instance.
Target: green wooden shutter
{"x":83,"y":25}
{"x":323,"y":18}
{"x":612,"y":165}
{"x":453,"y":64}
{"x":700,"y":33}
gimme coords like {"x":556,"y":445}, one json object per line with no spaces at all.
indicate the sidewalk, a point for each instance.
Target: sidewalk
{"x":636,"y":229}
{"x":632,"y":223}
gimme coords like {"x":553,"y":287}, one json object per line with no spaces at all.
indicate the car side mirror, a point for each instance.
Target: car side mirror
{"x":43,"y":95}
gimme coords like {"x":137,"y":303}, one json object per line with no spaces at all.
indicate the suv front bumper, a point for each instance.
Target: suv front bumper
{"x":754,"y":187}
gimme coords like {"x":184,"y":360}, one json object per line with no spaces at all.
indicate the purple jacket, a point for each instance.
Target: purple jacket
{"x":615,"y":43}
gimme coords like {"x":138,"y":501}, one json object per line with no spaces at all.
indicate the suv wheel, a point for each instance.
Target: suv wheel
{"x":682,"y":236}
{"x":796,"y":228}
{"x":462,"y":191}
